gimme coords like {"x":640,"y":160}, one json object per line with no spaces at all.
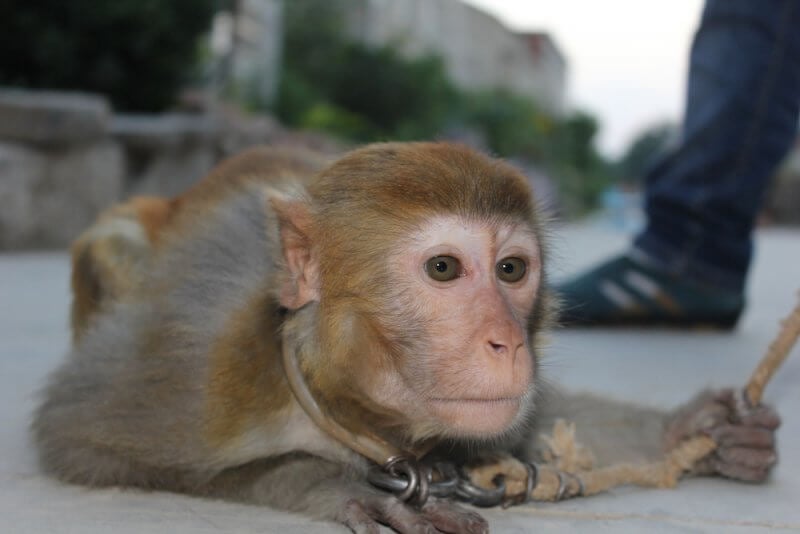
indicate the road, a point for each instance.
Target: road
{"x":660,"y":367}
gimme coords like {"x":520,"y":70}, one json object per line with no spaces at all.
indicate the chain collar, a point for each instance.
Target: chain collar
{"x":397,"y":471}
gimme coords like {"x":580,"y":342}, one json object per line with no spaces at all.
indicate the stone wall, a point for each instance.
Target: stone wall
{"x":58,"y":166}
{"x":65,"y":156}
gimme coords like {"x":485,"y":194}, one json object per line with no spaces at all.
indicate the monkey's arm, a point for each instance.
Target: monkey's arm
{"x":622,"y":432}
{"x":613,"y":430}
{"x":321,"y":489}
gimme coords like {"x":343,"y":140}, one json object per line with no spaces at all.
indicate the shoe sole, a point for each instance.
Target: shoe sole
{"x":723,"y":323}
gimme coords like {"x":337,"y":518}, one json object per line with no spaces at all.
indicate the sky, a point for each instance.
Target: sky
{"x":627,"y":59}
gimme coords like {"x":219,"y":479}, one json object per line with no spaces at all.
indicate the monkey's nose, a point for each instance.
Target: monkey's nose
{"x":498,"y":348}
{"x":503,"y":339}
{"x":503,"y":349}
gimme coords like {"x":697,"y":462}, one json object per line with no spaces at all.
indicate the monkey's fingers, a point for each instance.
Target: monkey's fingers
{"x":761,"y":416}
{"x":715,"y":464}
{"x":403,"y":519}
{"x":357,"y":519}
{"x":747,"y":465}
{"x":450,"y":517}
{"x":365,"y":513}
{"x":755,"y":437}
{"x":751,"y":458}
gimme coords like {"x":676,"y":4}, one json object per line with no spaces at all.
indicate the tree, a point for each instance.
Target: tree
{"x":362,"y":93}
{"x":138,"y":52}
{"x":332,"y":83}
{"x":645,"y":149}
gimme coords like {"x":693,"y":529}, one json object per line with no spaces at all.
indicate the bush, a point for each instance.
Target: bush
{"x":387,"y":95}
{"x":138,"y":52}
{"x":645,"y":149}
{"x":352,"y":90}
{"x":511,"y":124}
{"x":364,"y":94}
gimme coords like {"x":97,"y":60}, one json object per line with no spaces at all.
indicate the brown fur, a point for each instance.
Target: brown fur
{"x":245,"y":373}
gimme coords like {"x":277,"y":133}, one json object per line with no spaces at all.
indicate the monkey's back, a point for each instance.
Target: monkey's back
{"x":150,"y":378}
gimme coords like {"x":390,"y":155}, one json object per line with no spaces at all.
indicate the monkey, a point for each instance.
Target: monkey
{"x":406,"y":280}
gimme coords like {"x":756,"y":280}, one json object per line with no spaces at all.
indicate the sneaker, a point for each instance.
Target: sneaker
{"x":623,"y":291}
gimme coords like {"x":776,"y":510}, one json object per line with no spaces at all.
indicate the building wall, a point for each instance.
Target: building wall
{"x":478,"y":50}
{"x":247,"y":46}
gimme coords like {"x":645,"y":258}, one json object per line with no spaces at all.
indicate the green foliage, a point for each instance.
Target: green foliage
{"x":583,"y":174}
{"x":365,"y":94}
{"x":138,"y":52}
{"x":336,"y":120}
{"x":511,"y":124}
{"x":564,"y":146}
{"x":645,"y":149}
{"x":400,"y":98}
{"x":352,"y":90}
{"x":574,"y":138}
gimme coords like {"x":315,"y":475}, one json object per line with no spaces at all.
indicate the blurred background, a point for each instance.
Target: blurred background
{"x":103,"y":100}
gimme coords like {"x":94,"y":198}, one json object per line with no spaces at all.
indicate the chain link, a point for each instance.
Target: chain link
{"x":414,"y":483}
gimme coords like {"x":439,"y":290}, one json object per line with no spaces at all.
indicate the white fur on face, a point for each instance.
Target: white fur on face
{"x":474,"y":374}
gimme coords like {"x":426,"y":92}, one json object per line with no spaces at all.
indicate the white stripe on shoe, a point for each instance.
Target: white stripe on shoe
{"x":618,"y":296}
{"x":642,"y":283}
{"x":650,"y":289}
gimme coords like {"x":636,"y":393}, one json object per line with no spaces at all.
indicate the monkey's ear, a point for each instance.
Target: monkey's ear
{"x":300,"y":284}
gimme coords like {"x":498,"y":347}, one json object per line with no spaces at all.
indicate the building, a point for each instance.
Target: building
{"x":246,"y":44}
{"x":479,"y":51}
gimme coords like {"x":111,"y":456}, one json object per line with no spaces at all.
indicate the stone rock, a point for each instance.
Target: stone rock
{"x":163,"y":131}
{"x":70,"y":160}
{"x":165,"y":154}
{"x":21,"y":171}
{"x":317,"y":141}
{"x":51,"y":117}
{"x":81,"y":181}
{"x":168,"y":172}
{"x":49,"y":195}
{"x":241,"y":132}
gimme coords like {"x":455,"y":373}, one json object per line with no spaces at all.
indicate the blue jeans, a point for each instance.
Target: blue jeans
{"x":740,"y":120}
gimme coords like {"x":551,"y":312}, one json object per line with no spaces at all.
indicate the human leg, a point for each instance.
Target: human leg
{"x":702,"y":199}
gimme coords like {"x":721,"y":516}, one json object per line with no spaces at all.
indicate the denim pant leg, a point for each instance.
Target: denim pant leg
{"x":740,"y":119}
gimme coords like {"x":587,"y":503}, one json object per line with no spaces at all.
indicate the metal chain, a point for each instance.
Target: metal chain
{"x":414,"y":483}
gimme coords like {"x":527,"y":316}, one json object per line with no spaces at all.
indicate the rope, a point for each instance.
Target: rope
{"x":776,"y":354}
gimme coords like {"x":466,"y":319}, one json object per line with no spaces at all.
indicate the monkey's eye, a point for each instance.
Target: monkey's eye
{"x":511,"y":269}
{"x":443,"y":268}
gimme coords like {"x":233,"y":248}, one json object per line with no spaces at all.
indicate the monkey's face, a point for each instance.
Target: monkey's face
{"x":463,"y":293}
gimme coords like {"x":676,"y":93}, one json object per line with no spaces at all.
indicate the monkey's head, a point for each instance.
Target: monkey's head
{"x":423,"y":265}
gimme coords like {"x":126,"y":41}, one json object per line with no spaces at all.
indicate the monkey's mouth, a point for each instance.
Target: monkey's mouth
{"x":475,"y":416}
{"x":476,"y":400}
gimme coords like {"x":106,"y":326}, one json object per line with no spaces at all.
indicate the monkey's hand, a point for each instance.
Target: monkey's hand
{"x":745,"y":435}
{"x":364,"y":514}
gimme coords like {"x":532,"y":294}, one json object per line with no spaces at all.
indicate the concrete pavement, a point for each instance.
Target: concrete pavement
{"x":660,"y":367}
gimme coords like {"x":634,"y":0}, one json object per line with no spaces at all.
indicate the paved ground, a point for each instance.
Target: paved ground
{"x":662,"y":367}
